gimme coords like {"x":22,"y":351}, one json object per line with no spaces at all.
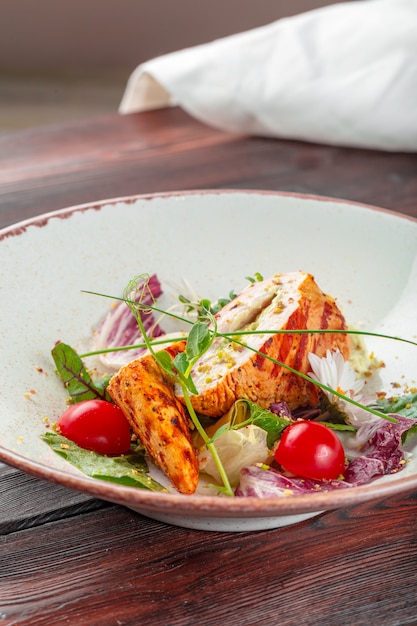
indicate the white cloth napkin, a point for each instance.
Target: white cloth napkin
{"x":345,"y":74}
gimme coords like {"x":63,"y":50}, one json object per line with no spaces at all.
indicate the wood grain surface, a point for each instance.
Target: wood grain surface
{"x":112,"y":566}
{"x":68,"y":559}
{"x":53,"y":167}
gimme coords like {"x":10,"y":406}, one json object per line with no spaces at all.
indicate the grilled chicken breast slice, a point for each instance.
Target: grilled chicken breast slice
{"x":229,"y":371}
{"x":146,"y":396}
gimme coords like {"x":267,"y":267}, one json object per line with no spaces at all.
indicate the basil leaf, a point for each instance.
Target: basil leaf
{"x":130,"y":469}
{"x":76,"y":377}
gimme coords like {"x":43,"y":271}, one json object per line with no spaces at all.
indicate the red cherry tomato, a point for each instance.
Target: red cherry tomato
{"x":311,"y":450}
{"x":96,"y":425}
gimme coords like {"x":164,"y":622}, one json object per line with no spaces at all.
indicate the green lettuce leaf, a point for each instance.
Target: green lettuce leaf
{"x":130,"y":470}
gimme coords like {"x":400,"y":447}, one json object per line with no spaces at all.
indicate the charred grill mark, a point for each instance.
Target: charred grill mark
{"x":301,"y":354}
{"x":286,"y":347}
{"x":276,"y":369}
{"x":326,"y":314}
{"x":187,"y":455}
{"x":259,"y":360}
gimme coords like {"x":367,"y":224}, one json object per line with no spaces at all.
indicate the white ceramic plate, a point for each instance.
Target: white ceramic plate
{"x":364,"y":256}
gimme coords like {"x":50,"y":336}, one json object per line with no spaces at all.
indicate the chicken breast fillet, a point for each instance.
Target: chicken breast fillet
{"x":229,"y":371}
{"x":146,"y":396}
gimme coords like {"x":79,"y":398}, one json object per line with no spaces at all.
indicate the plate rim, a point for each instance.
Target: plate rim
{"x":42,"y":219}
{"x":201,"y":505}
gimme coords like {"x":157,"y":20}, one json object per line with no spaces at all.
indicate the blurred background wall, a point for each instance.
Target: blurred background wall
{"x":118,"y":34}
{"x":62,"y":59}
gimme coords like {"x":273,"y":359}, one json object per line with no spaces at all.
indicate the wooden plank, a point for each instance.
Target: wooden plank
{"x":52,"y":167}
{"x":353,"y":567}
{"x":26,"y":502}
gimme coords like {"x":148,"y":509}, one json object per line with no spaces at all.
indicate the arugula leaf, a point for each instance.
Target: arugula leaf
{"x":247,"y":412}
{"x":273,"y":425}
{"x":76,"y":377}
{"x":130,"y":470}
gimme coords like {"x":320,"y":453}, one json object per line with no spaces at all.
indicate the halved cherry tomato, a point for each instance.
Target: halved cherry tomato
{"x":96,"y":425}
{"x":311,"y":450}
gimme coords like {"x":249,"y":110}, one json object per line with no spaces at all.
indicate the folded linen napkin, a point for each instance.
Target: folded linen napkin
{"x":345,"y":74}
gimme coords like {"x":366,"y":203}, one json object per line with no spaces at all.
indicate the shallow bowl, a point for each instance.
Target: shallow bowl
{"x":364,"y":256}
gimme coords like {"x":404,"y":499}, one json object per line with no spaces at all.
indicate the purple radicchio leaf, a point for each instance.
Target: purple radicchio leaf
{"x":281,"y":409}
{"x":266,"y":483}
{"x":382,"y":454}
{"x":119,"y":328}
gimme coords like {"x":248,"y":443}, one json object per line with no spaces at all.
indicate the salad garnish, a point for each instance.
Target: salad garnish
{"x":235,"y":449}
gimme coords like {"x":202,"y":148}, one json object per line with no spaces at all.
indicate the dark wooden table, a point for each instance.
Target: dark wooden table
{"x":68,"y":559}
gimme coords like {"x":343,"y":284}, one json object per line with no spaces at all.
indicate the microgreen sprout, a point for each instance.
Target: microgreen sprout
{"x":256,"y":278}
{"x":203,"y":308}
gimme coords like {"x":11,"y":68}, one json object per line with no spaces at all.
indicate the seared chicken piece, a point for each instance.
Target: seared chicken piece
{"x":146,"y":396}
{"x":228,"y":371}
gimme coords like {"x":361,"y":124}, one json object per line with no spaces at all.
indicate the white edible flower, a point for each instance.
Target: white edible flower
{"x":334,"y":372}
